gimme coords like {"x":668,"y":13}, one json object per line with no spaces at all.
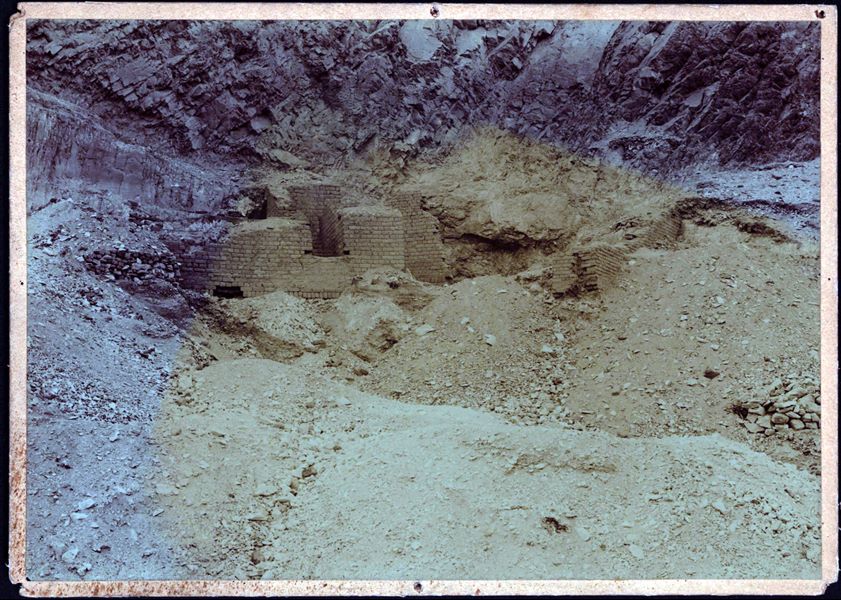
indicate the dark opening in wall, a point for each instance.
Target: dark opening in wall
{"x":256,"y":203}
{"x":325,"y":235}
{"x":261,"y":211}
{"x":228,"y":291}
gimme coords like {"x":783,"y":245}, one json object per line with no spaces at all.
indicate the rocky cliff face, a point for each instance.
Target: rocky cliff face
{"x":66,"y":145}
{"x":732,"y":92}
{"x":656,"y":96}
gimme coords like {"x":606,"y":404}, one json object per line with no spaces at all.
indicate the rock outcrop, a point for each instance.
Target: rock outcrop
{"x":653,"y":95}
{"x":64,"y":143}
{"x":732,"y":92}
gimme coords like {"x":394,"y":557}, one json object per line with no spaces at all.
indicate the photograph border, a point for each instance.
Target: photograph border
{"x":300,"y":11}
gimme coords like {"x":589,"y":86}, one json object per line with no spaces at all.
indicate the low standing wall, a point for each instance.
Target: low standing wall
{"x":595,"y":267}
{"x":277,"y":254}
{"x":598,"y":266}
{"x":664,"y":232}
{"x":423,"y":248}
{"x":372,"y":237}
{"x":564,"y":276}
{"x":589,"y":269}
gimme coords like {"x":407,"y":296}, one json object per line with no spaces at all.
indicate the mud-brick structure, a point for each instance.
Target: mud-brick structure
{"x":595,"y":267}
{"x":313,"y":246}
{"x":371,"y":236}
{"x":317,"y":205}
{"x":588,"y":269}
{"x":423,"y":246}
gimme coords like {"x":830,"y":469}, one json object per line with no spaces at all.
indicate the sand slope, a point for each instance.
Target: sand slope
{"x":386,"y":489}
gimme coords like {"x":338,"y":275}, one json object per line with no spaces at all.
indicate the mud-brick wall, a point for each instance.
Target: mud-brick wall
{"x":589,"y":269}
{"x":564,"y":277}
{"x":264,"y":256}
{"x":595,"y":267}
{"x":280,"y":207}
{"x":196,"y":262}
{"x":319,"y":203}
{"x":664,"y":232}
{"x":372,"y":237}
{"x":319,"y":277}
{"x":330,"y":234}
{"x":423,"y":250}
{"x":255,"y":255}
{"x":259,"y":254}
{"x":598,"y":266}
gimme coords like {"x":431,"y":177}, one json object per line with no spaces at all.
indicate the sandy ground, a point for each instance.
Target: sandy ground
{"x":324,"y":481}
{"x":742,"y":306}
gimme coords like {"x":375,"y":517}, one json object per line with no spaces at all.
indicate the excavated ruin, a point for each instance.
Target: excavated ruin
{"x":423,"y":300}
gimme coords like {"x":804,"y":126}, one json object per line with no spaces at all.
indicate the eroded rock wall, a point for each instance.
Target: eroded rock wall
{"x":648,"y":94}
{"x":65,"y":144}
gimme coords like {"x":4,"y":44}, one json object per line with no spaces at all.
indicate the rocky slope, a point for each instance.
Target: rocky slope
{"x":727,"y":92}
{"x":652,"y":95}
{"x":68,"y":144}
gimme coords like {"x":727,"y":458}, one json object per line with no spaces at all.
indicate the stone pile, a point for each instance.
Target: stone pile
{"x":136,"y":265}
{"x":792,"y":404}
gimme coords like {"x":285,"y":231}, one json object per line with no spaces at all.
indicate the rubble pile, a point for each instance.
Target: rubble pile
{"x":791,"y":404}
{"x":138,"y":266}
{"x":482,"y":343}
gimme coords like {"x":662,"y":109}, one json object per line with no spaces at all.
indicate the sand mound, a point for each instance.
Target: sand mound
{"x":324,"y":481}
{"x":687,"y":333}
{"x":279,"y":325}
{"x":512,"y":190}
{"x":367,"y":326}
{"x":406,"y":291}
{"x":461,"y":495}
{"x":482,"y":342}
